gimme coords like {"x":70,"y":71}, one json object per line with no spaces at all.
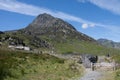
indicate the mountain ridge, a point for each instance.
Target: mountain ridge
{"x":53,"y":28}
{"x":109,"y":43}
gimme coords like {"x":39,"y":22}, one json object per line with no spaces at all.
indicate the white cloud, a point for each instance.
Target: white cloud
{"x":92,"y":25}
{"x":110,"y":5}
{"x":22,"y":8}
{"x":84,"y":26}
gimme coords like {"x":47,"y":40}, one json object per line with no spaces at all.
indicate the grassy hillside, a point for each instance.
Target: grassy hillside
{"x":65,"y":46}
{"x":83,"y":47}
{"x":16,"y":65}
{"x":61,"y":46}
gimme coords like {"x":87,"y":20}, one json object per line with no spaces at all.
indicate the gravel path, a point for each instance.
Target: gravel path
{"x":91,"y":75}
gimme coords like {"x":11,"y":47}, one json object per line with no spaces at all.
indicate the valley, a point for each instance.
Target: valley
{"x":52,"y":49}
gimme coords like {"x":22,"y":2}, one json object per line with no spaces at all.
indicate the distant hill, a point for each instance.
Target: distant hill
{"x":109,"y":43}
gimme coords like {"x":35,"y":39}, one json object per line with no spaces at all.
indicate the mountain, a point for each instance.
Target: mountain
{"x":1,"y":32}
{"x":52,"y":34}
{"x":109,"y":43}
{"x":54,"y":29}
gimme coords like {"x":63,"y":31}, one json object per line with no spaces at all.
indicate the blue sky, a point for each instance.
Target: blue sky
{"x":96,"y":18}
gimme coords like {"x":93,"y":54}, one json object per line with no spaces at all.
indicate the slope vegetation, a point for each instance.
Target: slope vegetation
{"x":16,"y":65}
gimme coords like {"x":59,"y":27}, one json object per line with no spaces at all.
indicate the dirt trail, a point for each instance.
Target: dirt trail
{"x":91,"y":75}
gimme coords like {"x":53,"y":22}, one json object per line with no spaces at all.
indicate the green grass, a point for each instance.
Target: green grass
{"x":117,"y":72}
{"x":16,"y":65}
{"x":117,"y":76}
{"x":83,"y":47}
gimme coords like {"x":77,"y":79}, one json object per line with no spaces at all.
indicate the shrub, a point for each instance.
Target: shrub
{"x":4,"y":70}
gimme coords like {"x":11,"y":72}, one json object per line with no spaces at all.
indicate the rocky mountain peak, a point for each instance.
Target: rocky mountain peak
{"x":54,"y":28}
{"x":43,"y":18}
{"x":45,"y":21}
